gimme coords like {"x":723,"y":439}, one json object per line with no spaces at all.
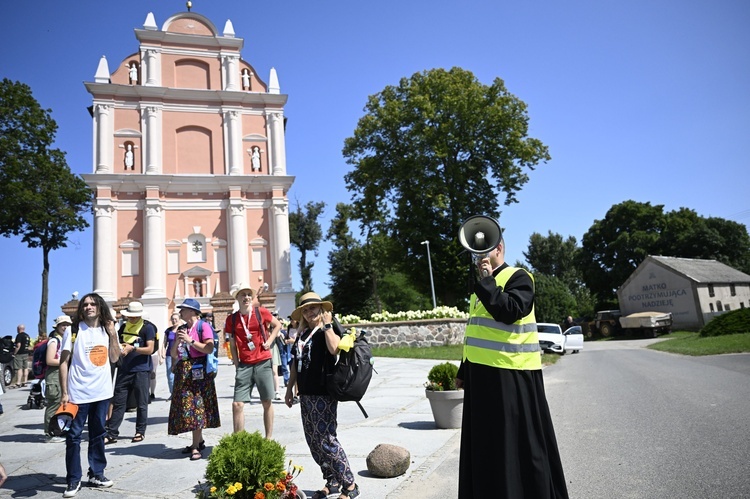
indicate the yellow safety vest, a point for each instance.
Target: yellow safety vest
{"x":496,"y":344}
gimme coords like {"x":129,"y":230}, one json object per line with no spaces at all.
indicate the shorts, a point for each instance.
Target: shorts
{"x":21,"y":361}
{"x":249,"y":375}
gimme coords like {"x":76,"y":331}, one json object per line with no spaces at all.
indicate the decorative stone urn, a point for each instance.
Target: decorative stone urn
{"x":447,"y":407}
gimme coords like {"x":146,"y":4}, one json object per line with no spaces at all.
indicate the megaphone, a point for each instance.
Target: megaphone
{"x":480,"y":234}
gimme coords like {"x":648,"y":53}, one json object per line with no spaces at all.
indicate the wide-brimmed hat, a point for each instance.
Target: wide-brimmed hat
{"x":310,"y":299}
{"x":241,"y":287}
{"x":61,"y":422}
{"x":191,"y":303}
{"x":135,"y":309}
{"x":63,"y":319}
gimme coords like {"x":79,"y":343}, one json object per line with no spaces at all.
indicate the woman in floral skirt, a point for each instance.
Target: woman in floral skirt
{"x":194,"y":404}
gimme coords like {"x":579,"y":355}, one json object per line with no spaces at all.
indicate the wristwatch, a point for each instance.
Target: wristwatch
{"x":328,"y":326}
{"x":192,"y":342}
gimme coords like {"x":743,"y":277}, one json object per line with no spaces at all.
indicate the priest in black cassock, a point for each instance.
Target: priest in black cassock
{"x":508,"y":445}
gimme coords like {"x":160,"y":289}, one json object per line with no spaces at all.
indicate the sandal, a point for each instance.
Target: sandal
{"x":109,"y":440}
{"x":351,"y":494}
{"x":196,"y":454}
{"x":189,"y":449}
{"x":138,"y":438}
{"x":327,"y":490}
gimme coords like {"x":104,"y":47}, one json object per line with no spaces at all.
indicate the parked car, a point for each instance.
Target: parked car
{"x":6,"y":359}
{"x":607,"y":323}
{"x":551,"y":338}
{"x":573,"y":339}
{"x":7,"y":370}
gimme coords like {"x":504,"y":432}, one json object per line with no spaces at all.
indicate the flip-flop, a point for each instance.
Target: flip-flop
{"x":138,"y":438}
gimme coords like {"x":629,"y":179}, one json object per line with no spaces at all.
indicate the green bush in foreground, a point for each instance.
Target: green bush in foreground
{"x":734,"y":322}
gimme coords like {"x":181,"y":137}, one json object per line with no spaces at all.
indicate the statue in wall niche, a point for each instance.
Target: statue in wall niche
{"x":129,"y":159}
{"x":255,"y":157}
{"x":197,"y":288}
{"x":133,"y":73}
{"x":246,"y":79}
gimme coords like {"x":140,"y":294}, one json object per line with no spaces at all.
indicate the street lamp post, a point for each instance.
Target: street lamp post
{"x":432,"y":282}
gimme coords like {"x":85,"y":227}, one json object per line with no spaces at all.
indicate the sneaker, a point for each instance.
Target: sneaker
{"x":278,"y":396}
{"x":100,"y":481}
{"x":72,"y":489}
{"x":54,"y":440}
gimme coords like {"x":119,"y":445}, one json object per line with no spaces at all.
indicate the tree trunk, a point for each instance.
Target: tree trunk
{"x":45,"y":291}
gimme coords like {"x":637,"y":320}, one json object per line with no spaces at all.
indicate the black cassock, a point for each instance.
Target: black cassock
{"x":508,"y":444}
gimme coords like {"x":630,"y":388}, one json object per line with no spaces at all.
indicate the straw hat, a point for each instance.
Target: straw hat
{"x":243,"y":287}
{"x":135,"y":309}
{"x":63,"y":319}
{"x":310,"y":299}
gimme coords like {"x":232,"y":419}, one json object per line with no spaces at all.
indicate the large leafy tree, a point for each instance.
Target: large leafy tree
{"x":554,"y":257}
{"x":351,"y":282}
{"x":553,"y":300}
{"x":305,"y":235}
{"x":41,"y":199}
{"x":432,"y":151}
{"x":614,"y":246}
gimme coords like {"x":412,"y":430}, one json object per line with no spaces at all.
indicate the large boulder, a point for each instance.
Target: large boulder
{"x":387,"y":460}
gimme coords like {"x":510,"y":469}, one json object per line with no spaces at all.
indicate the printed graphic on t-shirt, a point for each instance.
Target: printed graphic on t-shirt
{"x":98,"y":355}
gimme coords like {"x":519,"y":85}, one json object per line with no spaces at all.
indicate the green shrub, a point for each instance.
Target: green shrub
{"x":247,"y":458}
{"x":734,"y":322}
{"x":442,"y":377}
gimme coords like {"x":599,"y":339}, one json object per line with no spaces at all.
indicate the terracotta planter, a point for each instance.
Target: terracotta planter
{"x":447,"y":407}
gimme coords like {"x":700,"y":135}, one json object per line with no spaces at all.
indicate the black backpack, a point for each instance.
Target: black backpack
{"x":350,"y":376}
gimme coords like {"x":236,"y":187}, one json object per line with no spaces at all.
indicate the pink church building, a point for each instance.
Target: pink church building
{"x":189,"y":171}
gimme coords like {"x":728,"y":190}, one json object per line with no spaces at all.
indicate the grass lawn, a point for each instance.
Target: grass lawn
{"x":688,"y":343}
{"x":448,"y":352}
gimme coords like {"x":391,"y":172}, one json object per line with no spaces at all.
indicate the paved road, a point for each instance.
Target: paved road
{"x":631,"y":423}
{"x":637,"y":423}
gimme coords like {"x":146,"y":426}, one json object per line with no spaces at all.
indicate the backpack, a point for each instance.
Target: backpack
{"x":212,"y":359}
{"x":350,"y":377}
{"x":6,"y":349}
{"x":156,"y":333}
{"x":39,"y":359}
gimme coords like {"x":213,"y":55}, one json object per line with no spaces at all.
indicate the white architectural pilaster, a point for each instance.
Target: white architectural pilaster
{"x":233,"y":141}
{"x":104,"y":133}
{"x":152,"y":124}
{"x":277,"y":144}
{"x":232,"y":72}
{"x":281,"y":248}
{"x":104,"y":250}
{"x":238,"y":253}
{"x":151,"y":70}
{"x":153,"y":258}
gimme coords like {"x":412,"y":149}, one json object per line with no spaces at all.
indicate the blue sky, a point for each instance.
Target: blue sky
{"x":645,"y":100}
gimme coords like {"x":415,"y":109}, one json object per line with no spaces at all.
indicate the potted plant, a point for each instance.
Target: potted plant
{"x":248,"y":466}
{"x":446,"y":401}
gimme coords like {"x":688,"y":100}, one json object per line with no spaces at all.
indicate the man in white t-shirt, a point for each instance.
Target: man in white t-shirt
{"x":88,"y":348}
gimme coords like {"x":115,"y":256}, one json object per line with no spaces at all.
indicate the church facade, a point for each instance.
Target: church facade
{"x":189,"y":171}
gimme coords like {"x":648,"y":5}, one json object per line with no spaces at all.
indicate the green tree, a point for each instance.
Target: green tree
{"x":689,"y":235}
{"x":553,"y":301}
{"x":553,"y":256}
{"x":351,"y":283}
{"x":613,"y":247}
{"x":41,"y":199}
{"x":305,"y":234}
{"x":430,"y":152}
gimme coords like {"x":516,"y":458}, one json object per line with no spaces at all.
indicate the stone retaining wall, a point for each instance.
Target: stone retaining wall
{"x":426,"y":333}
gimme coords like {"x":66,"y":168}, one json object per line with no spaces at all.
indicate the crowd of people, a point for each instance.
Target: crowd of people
{"x":93,"y":366}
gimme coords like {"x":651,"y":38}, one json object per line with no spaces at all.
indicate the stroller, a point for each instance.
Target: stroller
{"x":36,"y":395}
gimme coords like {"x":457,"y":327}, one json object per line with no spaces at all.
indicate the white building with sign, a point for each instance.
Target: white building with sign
{"x":694,"y":291}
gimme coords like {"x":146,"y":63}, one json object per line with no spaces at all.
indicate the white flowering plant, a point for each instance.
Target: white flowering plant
{"x":442,"y":312}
